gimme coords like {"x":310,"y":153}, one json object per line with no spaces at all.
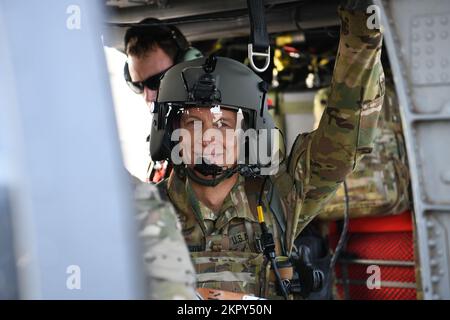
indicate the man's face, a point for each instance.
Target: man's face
{"x":141,"y":68}
{"x":212,"y":134}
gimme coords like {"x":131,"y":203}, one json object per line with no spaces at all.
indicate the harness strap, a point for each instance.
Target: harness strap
{"x":196,"y":208}
{"x":259,"y":40}
{"x":253,"y":188}
{"x":276,"y":208}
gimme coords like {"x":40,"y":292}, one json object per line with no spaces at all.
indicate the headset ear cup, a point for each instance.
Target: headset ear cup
{"x":126,"y":72}
{"x":190,"y":54}
{"x":180,"y":40}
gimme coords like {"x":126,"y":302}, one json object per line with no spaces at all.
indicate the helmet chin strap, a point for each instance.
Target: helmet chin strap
{"x":207,"y":169}
{"x":210,"y":182}
{"x":219,"y":174}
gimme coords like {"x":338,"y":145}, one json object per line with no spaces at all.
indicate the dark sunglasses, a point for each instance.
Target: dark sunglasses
{"x":138,"y":86}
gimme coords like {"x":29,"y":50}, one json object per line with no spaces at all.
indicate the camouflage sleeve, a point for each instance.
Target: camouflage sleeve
{"x":347,"y":127}
{"x":167,"y":263}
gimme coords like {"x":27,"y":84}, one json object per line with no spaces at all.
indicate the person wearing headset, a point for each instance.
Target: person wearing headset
{"x":152,"y":48}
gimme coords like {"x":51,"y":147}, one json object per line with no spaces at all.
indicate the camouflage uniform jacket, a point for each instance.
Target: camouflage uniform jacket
{"x":223,"y":244}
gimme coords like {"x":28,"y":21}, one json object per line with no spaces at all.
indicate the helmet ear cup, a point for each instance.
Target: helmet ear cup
{"x":253,"y":147}
{"x":159,"y":148}
{"x":160,"y":133}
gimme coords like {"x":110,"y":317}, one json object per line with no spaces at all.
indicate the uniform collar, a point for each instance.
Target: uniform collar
{"x":235,"y":204}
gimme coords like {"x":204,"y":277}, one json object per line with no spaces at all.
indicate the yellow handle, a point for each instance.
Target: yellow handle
{"x":260,"y":214}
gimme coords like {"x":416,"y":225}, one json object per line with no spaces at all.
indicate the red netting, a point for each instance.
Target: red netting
{"x":360,"y":292}
{"x":383,"y":246}
{"x":380,"y":246}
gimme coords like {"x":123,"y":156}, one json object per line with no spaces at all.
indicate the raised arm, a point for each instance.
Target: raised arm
{"x":346,"y":130}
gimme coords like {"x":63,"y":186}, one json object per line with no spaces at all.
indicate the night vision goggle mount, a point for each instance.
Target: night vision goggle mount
{"x":204,"y":91}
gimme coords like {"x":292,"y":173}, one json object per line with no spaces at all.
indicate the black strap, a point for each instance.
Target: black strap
{"x":162,"y":188}
{"x":273,"y":200}
{"x":213,"y":182}
{"x":276,"y":208}
{"x":258,"y":28}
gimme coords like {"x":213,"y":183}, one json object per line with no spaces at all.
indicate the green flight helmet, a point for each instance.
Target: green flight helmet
{"x":209,"y":82}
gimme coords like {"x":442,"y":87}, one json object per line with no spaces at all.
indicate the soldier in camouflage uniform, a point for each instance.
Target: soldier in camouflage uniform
{"x":168,"y":267}
{"x":225,"y":240}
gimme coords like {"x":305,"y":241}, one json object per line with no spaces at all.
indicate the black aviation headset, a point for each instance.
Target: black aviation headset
{"x":157,"y":31}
